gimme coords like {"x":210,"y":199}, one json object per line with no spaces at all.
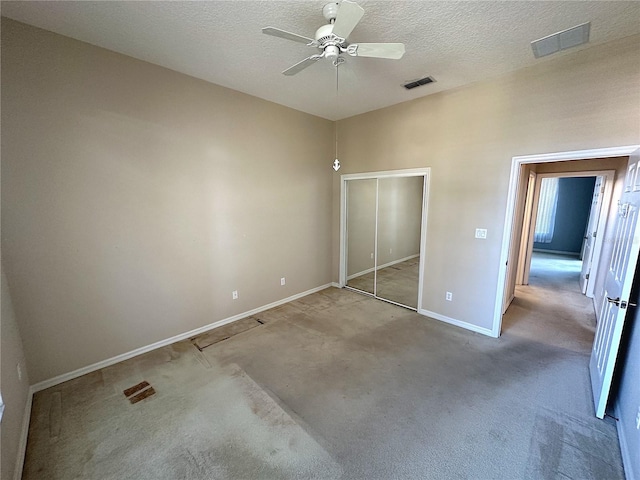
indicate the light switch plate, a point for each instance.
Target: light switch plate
{"x":481,"y":233}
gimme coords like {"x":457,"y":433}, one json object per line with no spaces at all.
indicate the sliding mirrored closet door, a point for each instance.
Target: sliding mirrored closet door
{"x":399,"y":222}
{"x":383,"y":236}
{"x":361,"y":231}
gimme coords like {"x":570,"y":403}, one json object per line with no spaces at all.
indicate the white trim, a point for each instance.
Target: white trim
{"x":407,"y":172}
{"x":624,"y":448}
{"x":590,"y":154}
{"x":335,"y":285}
{"x":375,"y":240}
{"x":343,"y":233}
{"x":359,"y":274}
{"x":426,"y":188}
{"x":380,"y":267}
{"x":24,"y":434}
{"x":516,"y":163}
{"x":163,"y":343}
{"x":457,"y":323}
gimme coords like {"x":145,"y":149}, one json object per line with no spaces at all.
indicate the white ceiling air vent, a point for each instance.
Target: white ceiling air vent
{"x":569,"y":38}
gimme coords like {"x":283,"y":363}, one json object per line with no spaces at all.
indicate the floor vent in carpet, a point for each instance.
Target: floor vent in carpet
{"x":225,"y":332}
{"x":139,"y":392}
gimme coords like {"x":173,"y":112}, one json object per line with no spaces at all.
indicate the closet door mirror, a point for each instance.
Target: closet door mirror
{"x":399,"y":226}
{"x":361,"y":234}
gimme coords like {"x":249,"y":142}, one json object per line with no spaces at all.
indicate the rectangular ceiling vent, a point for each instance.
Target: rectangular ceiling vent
{"x":569,"y":38}
{"x":417,"y":83}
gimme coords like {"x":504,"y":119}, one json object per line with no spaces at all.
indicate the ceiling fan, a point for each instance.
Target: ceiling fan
{"x":331,"y":39}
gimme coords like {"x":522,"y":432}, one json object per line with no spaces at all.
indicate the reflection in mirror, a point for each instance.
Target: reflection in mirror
{"x":399,"y":224}
{"x":361,"y":232}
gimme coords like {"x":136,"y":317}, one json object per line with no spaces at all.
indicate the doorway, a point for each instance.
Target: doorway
{"x":383,"y":219}
{"x":563,"y":213}
{"x":572,"y":163}
{"x":617,"y":256}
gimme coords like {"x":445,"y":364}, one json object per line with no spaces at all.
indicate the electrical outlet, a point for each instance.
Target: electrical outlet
{"x":19,"y":368}
{"x":638,"y":419}
{"x":234,"y":294}
{"x":283,"y":281}
{"x":391,"y":250}
{"x":481,"y":233}
{"x":372,"y":255}
{"x":449,"y":296}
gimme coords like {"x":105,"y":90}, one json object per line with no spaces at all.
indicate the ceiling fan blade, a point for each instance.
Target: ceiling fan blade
{"x":348,"y":16}
{"x":393,"y":51}
{"x":276,"y":32}
{"x":298,"y":67}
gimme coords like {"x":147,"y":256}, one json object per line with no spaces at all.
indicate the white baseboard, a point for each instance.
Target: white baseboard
{"x":359,"y":274}
{"x":336,"y":285}
{"x":163,"y":343}
{"x":24,"y":433}
{"x":457,"y":323}
{"x":380,"y":267}
{"x":629,"y":473}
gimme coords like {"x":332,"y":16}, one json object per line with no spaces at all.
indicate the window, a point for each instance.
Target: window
{"x":547,"y":206}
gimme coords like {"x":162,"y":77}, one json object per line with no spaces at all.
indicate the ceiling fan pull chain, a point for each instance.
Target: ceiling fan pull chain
{"x":336,"y":162}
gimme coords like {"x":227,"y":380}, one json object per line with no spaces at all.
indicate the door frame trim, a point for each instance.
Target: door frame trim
{"x":516,"y":163}
{"x":409,"y":172}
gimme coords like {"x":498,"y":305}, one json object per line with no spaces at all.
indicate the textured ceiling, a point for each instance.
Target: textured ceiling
{"x":221,"y":41}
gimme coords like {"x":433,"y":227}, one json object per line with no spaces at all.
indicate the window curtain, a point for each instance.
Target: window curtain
{"x":547,"y":206}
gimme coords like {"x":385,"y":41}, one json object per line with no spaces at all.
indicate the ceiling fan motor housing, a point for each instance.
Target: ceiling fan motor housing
{"x":328,"y":41}
{"x":324,"y":33}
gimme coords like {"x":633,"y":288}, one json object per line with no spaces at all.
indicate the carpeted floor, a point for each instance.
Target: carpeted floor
{"x":340,"y":385}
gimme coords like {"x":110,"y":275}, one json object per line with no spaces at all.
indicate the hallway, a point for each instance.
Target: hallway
{"x":551,"y":308}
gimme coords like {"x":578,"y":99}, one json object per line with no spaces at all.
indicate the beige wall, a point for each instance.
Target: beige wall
{"x":588,"y":99}
{"x":15,"y":391}
{"x":135,"y":199}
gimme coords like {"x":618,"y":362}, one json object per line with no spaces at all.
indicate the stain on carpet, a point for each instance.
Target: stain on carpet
{"x":564,"y":447}
{"x":225,"y":332}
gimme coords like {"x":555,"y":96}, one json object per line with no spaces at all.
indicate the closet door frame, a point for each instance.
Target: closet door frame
{"x":413,"y":172}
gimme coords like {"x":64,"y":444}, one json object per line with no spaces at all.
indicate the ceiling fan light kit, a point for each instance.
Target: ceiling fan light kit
{"x":331,"y":39}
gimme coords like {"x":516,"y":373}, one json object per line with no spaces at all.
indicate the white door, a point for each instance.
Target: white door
{"x":590,"y":233}
{"x":626,"y":244}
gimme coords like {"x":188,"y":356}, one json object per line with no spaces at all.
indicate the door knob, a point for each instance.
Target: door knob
{"x":618,"y":303}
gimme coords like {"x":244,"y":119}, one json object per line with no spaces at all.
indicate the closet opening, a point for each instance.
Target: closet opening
{"x":383,"y":220}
